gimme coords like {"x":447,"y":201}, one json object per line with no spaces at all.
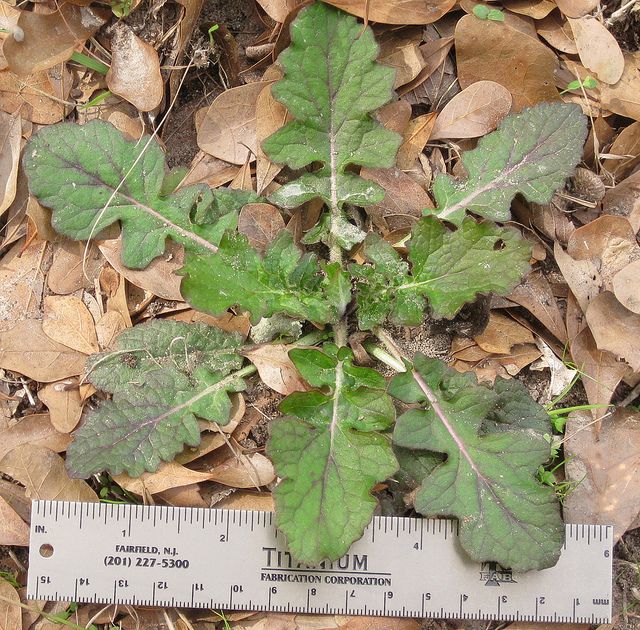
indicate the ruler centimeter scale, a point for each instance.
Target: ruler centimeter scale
{"x":236,"y":560}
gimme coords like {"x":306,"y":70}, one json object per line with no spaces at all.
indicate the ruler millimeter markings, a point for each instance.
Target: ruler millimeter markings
{"x":236,"y":559}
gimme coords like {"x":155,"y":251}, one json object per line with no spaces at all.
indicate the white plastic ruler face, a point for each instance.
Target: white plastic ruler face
{"x":236,"y":560}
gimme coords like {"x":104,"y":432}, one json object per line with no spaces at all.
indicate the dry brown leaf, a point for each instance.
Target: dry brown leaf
{"x":278,"y":10}
{"x":400,"y":50}
{"x":67,"y":272}
{"x":404,"y":200}
{"x":627,"y":149}
{"x":27,"y":350}
{"x":183,"y":496}
{"x":414,"y":139}
{"x":606,"y":465}
{"x":434,"y":54}
{"x":396,"y":11}
{"x":536,"y":9}
{"x":474,"y":112}
{"x":64,"y":403}
{"x":246,"y":500}
{"x":10,"y":611}
{"x":615,"y":328}
{"x":395,"y":116}
{"x":22,"y":282}
{"x":10,"y":136}
{"x":260,"y":223}
{"x":502,"y":334}
{"x":244,"y":471}
{"x":376,"y":623}
{"x":135,"y":70}
{"x":276,"y":369}
{"x":601,"y":371}
{"x":270,"y":116}
{"x":43,"y":474}
{"x":229,"y":322}
{"x":158,"y":277}
{"x":36,"y":429}
{"x":228,"y":130}
{"x":13,"y":530}
{"x":624,"y":97}
{"x":210,"y":441}
{"x":68,"y":321}
{"x":35,"y":97}
{"x":558,"y":33}
{"x":492,"y":51}
{"x":169,"y":475}
{"x":626,"y":286}
{"x":49,"y":39}
{"x":535,"y":294}
{"x":576,"y":8}
{"x":598,"y":49}
{"x":108,"y":327}
{"x":624,"y":200}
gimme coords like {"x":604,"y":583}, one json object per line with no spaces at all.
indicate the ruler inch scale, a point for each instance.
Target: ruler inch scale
{"x":236,"y":560}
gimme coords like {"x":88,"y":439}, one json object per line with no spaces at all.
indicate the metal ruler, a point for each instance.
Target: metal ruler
{"x":235,"y":559}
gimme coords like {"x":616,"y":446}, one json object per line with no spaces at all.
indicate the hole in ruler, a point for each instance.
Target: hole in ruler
{"x":46,"y":550}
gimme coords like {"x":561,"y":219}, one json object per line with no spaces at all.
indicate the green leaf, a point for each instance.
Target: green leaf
{"x":162,"y":374}
{"x":531,"y":153}
{"x":144,"y":425}
{"x":331,"y":84}
{"x":329,"y":454}
{"x":76,"y":169}
{"x":481,"y":11}
{"x":494,"y":445}
{"x":448,"y":268}
{"x":495,"y":15}
{"x":164,"y":343}
{"x":284,"y":281}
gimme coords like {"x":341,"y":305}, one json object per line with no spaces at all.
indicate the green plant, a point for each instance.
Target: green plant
{"x":334,"y":444}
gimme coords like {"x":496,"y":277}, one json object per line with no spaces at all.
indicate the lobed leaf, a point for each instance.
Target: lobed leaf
{"x":530,"y":153}
{"x":448,"y":268}
{"x":331,"y":84}
{"x":76,"y":170}
{"x":329,"y":453}
{"x":164,"y":375}
{"x":284,"y":281}
{"x":493,"y":441}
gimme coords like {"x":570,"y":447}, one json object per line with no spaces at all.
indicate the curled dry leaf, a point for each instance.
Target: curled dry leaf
{"x":601,"y":370}
{"x":395,"y":116}
{"x":22,"y":282}
{"x":36,"y":429}
{"x":13,"y":531}
{"x":615,"y":328}
{"x":624,"y":97}
{"x":108,"y":327}
{"x":400,"y":50}
{"x":260,"y":223}
{"x":159,"y":277}
{"x":135,"y":70}
{"x":68,"y":321}
{"x":49,"y":39}
{"x":535,"y":294}
{"x":244,"y":471}
{"x":276,"y":368}
{"x":604,"y":466}
{"x":270,"y":116}
{"x":624,"y":200}
{"x":415,"y":137}
{"x":403,"y":202}
{"x":626,"y":148}
{"x":598,"y":49}
{"x":64,"y":403}
{"x":43,"y":474}
{"x":626,"y":286}
{"x":558,"y":33}
{"x":501,"y":334}
{"x":26,"y":349}
{"x":169,"y":475}
{"x":10,"y":611}
{"x":10,"y":136}
{"x":396,"y":11}
{"x":493,"y":51}
{"x":474,"y":112}
{"x":228,"y":130}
